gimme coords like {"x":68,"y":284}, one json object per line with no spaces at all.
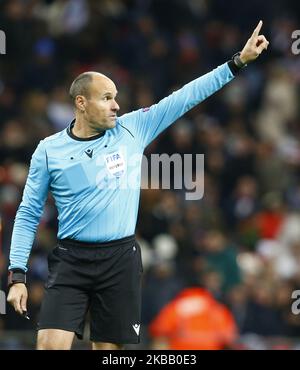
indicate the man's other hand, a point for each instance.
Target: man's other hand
{"x":17,"y":297}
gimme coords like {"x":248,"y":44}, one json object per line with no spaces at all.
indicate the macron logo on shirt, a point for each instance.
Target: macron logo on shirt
{"x":89,"y":153}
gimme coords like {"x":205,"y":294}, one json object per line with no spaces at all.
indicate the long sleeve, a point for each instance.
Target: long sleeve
{"x":30,"y":209}
{"x":148,"y":123}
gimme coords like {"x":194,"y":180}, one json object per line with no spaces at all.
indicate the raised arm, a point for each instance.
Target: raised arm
{"x":148,"y":123}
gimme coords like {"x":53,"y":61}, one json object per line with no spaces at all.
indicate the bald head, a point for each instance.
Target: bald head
{"x":83,"y":84}
{"x":94,"y":98}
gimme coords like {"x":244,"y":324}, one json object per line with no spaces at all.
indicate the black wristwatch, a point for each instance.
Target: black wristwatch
{"x":16,"y":276}
{"x":235,"y":64}
{"x":236,"y":58}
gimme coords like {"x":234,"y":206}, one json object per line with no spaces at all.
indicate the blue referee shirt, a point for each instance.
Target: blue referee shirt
{"x":96,"y":182}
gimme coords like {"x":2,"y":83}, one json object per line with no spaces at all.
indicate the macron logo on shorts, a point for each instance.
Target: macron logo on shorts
{"x":136,"y":328}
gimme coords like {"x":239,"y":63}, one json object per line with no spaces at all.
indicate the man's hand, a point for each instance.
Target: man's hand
{"x":254,"y":46}
{"x":17,"y":297}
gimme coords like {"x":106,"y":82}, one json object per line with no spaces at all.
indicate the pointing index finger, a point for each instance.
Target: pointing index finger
{"x":257,"y":29}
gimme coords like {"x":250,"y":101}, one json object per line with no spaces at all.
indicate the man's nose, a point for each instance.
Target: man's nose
{"x":115,"y":106}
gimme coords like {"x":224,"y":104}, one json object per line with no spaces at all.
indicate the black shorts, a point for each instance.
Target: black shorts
{"x":103,"y":279}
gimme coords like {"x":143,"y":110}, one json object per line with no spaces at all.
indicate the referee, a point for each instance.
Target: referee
{"x":96,"y":265}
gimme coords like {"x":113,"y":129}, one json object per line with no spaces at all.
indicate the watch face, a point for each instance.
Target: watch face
{"x":238,"y":61}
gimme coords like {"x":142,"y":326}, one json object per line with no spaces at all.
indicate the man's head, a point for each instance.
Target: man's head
{"x":94,"y":96}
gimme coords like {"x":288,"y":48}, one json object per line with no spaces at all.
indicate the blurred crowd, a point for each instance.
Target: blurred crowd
{"x":240,"y":243}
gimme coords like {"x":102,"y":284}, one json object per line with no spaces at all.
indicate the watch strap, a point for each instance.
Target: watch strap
{"x":16,"y":276}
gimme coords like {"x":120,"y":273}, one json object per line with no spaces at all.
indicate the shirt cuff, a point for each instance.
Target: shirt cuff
{"x":233,"y":67}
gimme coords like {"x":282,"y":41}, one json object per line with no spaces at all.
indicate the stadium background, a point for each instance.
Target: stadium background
{"x":242,"y":240}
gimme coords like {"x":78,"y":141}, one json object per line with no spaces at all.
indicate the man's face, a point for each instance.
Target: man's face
{"x":101,"y":107}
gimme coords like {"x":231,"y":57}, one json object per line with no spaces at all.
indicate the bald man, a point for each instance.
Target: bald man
{"x":93,"y":170}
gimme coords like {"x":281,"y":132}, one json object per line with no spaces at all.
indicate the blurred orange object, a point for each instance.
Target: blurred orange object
{"x":194,"y":320}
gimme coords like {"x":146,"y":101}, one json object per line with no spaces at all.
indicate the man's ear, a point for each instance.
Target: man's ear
{"x":80,"y":103}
